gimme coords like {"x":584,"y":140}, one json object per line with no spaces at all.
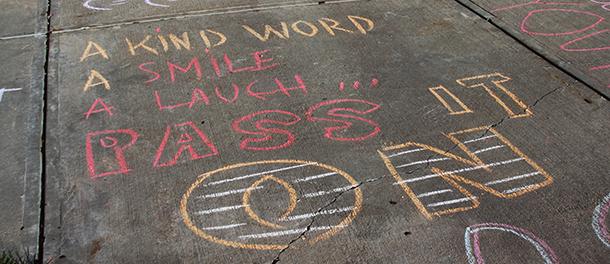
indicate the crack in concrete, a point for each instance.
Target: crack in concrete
{"x":549,"y":57}
{"x":494,"y":125}
{"x":43,"y":137}
{"x":313,"y":219}
{"x":427,"y":165}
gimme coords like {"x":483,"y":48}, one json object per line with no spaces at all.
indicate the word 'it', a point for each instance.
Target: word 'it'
{"x":490,"y":83}
{"x":489,"y":163}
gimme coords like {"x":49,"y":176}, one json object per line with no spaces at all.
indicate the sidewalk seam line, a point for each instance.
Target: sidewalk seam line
{"x":43,"y":155}
{"x":490,"y":18}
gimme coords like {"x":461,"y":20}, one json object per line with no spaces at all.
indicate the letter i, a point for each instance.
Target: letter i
{"x":214,"y":63}
{"x":162,"y":40}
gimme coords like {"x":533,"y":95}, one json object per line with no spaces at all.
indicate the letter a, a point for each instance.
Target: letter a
{"x":96,"y":76}
{"x":94,"y":110}
{"x":183,"y":139}
{"x":99,"y":50}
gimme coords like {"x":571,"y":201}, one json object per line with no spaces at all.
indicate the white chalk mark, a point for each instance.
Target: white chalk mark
{"x":89,"y":5}
{"x":289,"y":232}
{"x":336,"y":190}
{"x":150,"y":2}
{"x":229,"y":192}
{"x":315,"y":177}
{"x":600,"y":213}
{"x":420,"y":149}
{"x":256,"y":174}
{"x":405,"y":152}
{"x":219,"y":209}
{"x":441,"y":159}
{"x":488,"y":149}
{"x":479,"y":139}
{"x":513,"y":178}
{"x":451,"y":201}
{"x":421,"y":162}
{"x":519,"y":189}
{"x":434,"y":193}
{"x":325,"y":212}
{"x":461,"y":170}
{"x":3,"y":90}
{"x":222,"y":227}
{"x":94,"y":5}
{"x":473,"y":248}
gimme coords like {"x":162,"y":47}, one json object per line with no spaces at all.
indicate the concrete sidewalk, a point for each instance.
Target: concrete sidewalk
{"x":452,"y":131}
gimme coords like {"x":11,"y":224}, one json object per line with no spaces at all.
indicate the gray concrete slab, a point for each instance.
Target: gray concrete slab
{"x":21,"y":85}
{"x":572,"y":33}
{"x":326,"y":144}
{"x":22,"y":17}
{"x":83,"y":13}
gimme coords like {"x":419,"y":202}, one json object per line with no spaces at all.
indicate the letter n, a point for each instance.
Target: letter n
{"x":180,"y":138}
{"x":490,"y":164}
{"x":105,"y":151}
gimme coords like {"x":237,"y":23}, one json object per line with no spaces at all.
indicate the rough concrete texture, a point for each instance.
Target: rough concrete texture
{"x":318,"y":132}
{"x":87,"y":13}
{"x":572,"y":34}
{"x":21,"y":18}
{"x":20,"y":129}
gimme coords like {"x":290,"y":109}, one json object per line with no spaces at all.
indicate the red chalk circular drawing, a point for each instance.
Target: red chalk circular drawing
{"x":266,"y":204}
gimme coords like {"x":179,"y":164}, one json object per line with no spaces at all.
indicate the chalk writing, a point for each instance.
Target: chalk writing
{"x":105,"y":5}
{"x":183,"y":138}
{"x":338,"y":110}
{"x":243,"y":222}
{"x":492,"y":165}
{"x":342,"y":112}
{"x":88,"y":52}
{"x":283,"y":118}
{"x":449,"y":100}
{"x":95,"y":79}
{"x":536,"y":2}
{"x":98,"y":106}
{"x":105,"y":152}
{"x":473,"y":247}
{"x":309,"y":29}
{"x":605,"y":4}
{"x":526,"y":28}
{"x":588,"y":21}
{"x":357,"y":85}
{"x":490,"y":83}
{"x":4,"y":90}
{"x":600,"y":215}
{"x":258,"y":61}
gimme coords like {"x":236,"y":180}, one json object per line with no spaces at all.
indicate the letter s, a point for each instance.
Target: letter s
{"x":345,"y":109}
{"x":266,"y":134}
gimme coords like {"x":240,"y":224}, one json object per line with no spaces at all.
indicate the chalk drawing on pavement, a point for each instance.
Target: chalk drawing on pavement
{"x":491,"y":164}
{"x":4,"y":90}
{"x":493,"y":84}
{"x":263,"y":205}
{"x":473,"y":248}
{"x":599,"y":220}
{"x":105,"y":5}
{"x":449,"y":100}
